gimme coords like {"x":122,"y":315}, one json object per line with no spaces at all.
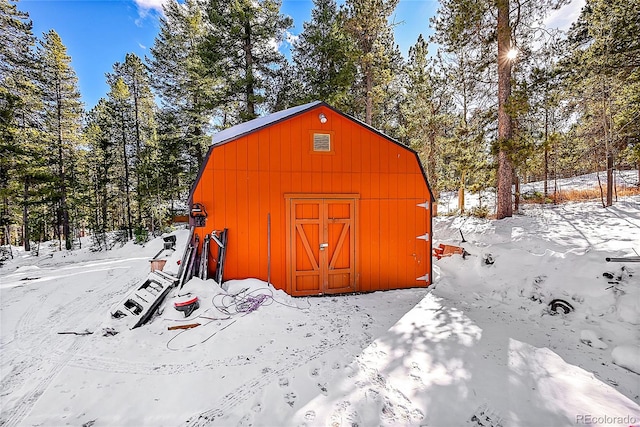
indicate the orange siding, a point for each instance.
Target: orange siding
{"x":246,"y":179}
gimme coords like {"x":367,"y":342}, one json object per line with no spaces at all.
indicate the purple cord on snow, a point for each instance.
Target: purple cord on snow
{"x":251,"y":303}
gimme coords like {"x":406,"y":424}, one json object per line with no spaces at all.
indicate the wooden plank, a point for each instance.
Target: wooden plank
{"x":262,"y":139}
{"x":306,"y":161}
{"x":365,"y":248}
{"x":341,"y":262}
{"x":304,"y":247}
{"x":288,"y":284}
{"x":386,"y":245}
{"x":256,"y":229}
{"x":264,"y":203}
{"x":297,"y":146}
{"x":386,"y":155}
{"x":296,"y":183}
{"x":278,"y":225}
{"x":397,"y":162}
{"x":387,"y":187}
{"x":273,"y":135}
{"x":242,"y":222}
{"x":305,"y":215}
{"x":253,"y":159}
{"x":242,"y":153}
{"x":187,"y":326}
{"x":352,"y":161}
{"x":317,"y":182}
{"x":364,"y":151}
{"x":230,"y":156}
{"x":406,"y":243}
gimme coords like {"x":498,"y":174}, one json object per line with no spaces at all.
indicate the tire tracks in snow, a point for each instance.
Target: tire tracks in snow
{"x":41,"y":365}
{"x":15,"y":415}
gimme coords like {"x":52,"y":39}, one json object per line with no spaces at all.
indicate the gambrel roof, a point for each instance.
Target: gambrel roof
{"x":260,"y":122}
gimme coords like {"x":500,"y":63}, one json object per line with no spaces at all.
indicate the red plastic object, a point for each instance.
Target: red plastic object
{"x":186,"y":303}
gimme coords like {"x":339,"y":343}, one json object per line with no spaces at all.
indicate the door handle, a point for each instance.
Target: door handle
{"x":323,"y":246}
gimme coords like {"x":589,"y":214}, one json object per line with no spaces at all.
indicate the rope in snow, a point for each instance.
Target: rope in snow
{"x":247,"y":302}
{"x":241,"y":303}
{"x":197,"y":343}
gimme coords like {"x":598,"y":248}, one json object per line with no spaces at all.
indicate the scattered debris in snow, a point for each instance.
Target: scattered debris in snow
{"x":592,"y":339}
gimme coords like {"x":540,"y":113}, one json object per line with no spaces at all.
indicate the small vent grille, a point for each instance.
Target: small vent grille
{"x":321,"y":142}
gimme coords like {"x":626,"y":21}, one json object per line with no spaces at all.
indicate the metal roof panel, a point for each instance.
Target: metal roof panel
{"x":258,"y":123}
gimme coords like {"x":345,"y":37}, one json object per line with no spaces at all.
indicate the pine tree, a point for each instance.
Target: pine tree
{"x":426,"y":109}
{"x":375,"y":51}
{"x":464,"y":146}
{"x":537,"y":111}
{"x":323,"y":58}
{"x":20,"y":151}
{"x":174,"y":181}
{"x":120,"y":110}
{"x":287,"y":90}
{"x":603,"y":73}
{"x":482,"y":25}
{"x":62,"y":121}
{"x":135,"y":76}
{"x":240,"y":48}
{"x":100,"y":168}
{"x":188,"y":90}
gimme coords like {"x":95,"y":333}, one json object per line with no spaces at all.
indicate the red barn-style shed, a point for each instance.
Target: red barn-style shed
{"x":319,"y":201}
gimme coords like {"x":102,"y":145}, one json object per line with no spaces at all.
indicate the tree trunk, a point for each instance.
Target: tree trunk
{"x":248,"y":57}
{"x":461,"y":193}
{"x":104,"y":205}
{"x":369,"y":95}
{"x":609,"y":179}
{"x":601,"y":192}
{"x":136,"y":97}
{"x":516,"y":180}
{"x":607,"y":144}
{"x":25,"y":217}
{"x":126,"y":179}
{"x":64,"y":215}
{"x":546,"y":154}
{"x":432,"y":175}
{"x":505,"y":168}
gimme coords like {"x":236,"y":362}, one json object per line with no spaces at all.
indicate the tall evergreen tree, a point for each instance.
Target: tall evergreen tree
{"x":121,"y":112}
{"x":426,"y":109}
{"x":62,"y":121}
{"x":603,"y":73}
{"x":135,"y":76}
{"x":464,"y":148}
{"x":101,"y":170}
{"x":188,"y":90}
{"x":506,"y":24}
{"x":240,"y":48}
{"x":175,"y":180}
{"x":323,"y":56}
{"x":287,"y":90}
{"x":538,"y":112}
{"x":375,"y":53}
{"x":20,"y":152}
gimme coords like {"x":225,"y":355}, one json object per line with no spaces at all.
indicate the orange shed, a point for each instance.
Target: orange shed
{"x":316,"y":202}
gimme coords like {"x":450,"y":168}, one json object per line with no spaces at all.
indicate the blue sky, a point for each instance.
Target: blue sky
{"x":98,"y":33}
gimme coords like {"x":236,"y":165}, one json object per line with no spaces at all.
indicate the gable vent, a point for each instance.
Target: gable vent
{"x":321,"y":142}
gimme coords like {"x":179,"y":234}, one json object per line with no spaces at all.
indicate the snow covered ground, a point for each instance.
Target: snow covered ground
{"x":481,"y":343}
